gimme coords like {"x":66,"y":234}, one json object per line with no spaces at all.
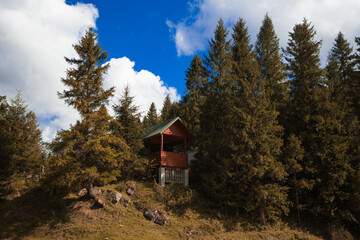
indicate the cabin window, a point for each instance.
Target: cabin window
{"x":177,"y":176}
{"x":173,"y":175}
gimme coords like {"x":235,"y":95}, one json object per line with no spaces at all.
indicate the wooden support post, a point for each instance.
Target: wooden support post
{"x":149,"y":147}
{"x":185,"y":144}
{"x":162,"y":143}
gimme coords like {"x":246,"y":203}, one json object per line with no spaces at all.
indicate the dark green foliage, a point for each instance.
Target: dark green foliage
{"x":213,"y":165}
{"x":256,"y":139}
{"x":166,"y":110}
{"x":20,"y":139}
{"x":151,"y":117}
{"x":128,"y":123}
{"x":194,"y":98}
{"x":316,"y":121}
{"x":175,"y":110}
{"x":272,"y":69}
{"x":339,"y":71}
{"x":88,"y":152}
{"x":293,"y":156}
{"x":240,"y":136}
{"x":354,"y":138}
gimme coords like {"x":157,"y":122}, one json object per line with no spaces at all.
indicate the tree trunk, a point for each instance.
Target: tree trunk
{"x":297,"y":200}
{"x":91,"y":192}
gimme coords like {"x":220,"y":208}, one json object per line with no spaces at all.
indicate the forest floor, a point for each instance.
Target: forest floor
{"x":34,"y":215}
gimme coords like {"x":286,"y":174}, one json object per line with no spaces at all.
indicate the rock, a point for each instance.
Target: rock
{"x":190,"y":232}
{"x":125,"y":202}
{"x":96,"y":190}
{"x":161,"y":219}
{"x":115,"y":197}
{"x":130,"y":191}
{"x":99,"y":203}
{"x":82,"y":192}
{"x":106,"y":193}
{"x":150,"y":213}
{"x":17,"y":194}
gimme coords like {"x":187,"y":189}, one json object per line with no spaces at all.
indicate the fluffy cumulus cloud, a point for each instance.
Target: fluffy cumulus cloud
{"x":35,"y":35}
{"x":144,"y":85}
{"x":328,"y":16}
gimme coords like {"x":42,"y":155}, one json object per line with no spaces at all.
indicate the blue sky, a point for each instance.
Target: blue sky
{"x":138,"y":30}
{"x":150,"y":43}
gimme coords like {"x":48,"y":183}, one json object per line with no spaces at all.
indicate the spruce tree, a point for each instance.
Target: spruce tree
{"x":316,"y":121}
{"x":151,"y":117}
{"x":354,"y":138}
{"x":339,"y":71}
{"x":166,"y":110}
{"x":213,"y":161}
{"x":128,"y":123}
{"x":272,"y":68}
{"x":175,"y":110}
{"x":293,"y":154}
{"x":256,"y":139}
{"x":194,"y":95}
{"x":88,"y":153}
{"x":20,"y":140}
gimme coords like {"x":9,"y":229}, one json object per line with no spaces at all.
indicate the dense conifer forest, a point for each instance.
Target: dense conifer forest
{"x":277,"y":134}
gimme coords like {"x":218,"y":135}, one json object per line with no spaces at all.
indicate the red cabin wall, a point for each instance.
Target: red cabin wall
{"x":175,"y":130}
{"x":171,"y":159}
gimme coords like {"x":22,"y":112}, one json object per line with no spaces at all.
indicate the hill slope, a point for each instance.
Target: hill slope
{"x":36,"y":216}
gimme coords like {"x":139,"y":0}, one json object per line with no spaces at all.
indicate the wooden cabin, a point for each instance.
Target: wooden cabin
{"x":166,"y":143}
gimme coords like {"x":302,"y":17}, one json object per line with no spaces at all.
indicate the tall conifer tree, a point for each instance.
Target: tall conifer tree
{"x":166,"y":109}
{"x":354,"y":135}
{"x":339,"y":71}
{"x":20,"y":140}
{"x":214,"y":119}
{"x":272,"y":68}
{"x":151,"y":117}
{"x":315,"y":120}
{"x":194,"y":95}
{"x":87,"y":153}
{"x":257,"y":136}
{"x":128,"y":123}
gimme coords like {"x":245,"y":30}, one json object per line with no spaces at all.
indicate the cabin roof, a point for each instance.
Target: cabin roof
{"x":161,"y":128}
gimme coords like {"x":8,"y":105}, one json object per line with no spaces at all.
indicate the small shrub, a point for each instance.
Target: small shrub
{"x":175,"y":196}
{"x":339,"y":233}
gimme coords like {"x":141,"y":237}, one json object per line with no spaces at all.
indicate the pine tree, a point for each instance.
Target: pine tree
{"x":151,"y":117}
{"x":353,"y":111}
{"x":272,"y":69}
{"x":5,"y":133}
{"x":355,"y":82}
{"x":128,"y":124}
{"x":20,"y":140}
{"x":316,"y":121}
{"x":87,"y":153}
{"x":166,"y":110}
{"x":339,"y":71}
{"x":194,"y":95}
{"x":256,"y":139}
{"x":212,"y":166}
{"x":293,"y":156}
{"x":175,"y":110}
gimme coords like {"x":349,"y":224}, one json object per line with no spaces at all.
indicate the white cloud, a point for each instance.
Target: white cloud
{"x":328,"y":16}
{"x":35,"y":35}
{"x":144,"y":85}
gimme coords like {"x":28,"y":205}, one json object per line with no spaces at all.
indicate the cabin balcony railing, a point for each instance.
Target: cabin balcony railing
{"x":170,"y":159}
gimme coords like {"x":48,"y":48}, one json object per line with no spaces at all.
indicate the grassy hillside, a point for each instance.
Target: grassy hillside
{"x":34,"y":215}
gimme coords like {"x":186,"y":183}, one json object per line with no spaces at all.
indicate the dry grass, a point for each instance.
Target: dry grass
{"x":35,"y":216}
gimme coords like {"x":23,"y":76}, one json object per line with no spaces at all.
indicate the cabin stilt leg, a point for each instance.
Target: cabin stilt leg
{"x":162,"y":176}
